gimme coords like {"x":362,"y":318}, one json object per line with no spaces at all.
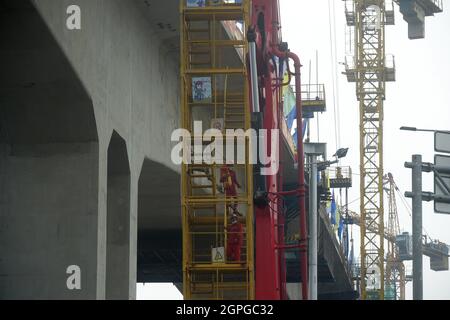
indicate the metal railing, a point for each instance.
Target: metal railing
{"x":340,"y":177}
{"x":350,"y":63}
{"x":313,"y":92}
{"x":340,"y":172}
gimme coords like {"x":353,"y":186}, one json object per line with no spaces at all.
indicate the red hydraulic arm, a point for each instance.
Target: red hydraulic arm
{"x":270,"y":268}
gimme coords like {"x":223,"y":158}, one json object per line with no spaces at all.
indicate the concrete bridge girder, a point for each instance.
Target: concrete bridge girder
{"x":63,"y":95}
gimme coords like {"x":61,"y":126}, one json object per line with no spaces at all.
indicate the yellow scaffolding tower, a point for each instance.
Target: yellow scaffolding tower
{"x":370,"y":70}
{"x":214,"y":94}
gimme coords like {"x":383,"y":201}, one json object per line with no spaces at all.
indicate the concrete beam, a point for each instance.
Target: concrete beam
{"x":63,"y":94}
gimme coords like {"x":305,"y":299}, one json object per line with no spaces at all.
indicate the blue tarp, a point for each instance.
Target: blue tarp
{"x":333,"y":210}
{"x":340,"y":228}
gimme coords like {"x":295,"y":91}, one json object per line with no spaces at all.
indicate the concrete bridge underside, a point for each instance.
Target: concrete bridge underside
{"x":85,"y":123}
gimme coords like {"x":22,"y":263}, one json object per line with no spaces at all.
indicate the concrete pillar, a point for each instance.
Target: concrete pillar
{"x":48,"y":220}
{"x":63,"y":93}
{"x":118,"y":220}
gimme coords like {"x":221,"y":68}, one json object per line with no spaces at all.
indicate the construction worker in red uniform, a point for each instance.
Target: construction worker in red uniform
{"x":234,"y":240}
{"x":230,"y":185}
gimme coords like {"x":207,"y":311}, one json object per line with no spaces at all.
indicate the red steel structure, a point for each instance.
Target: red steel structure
{"x":270,"y":282}
{"x":259,"y":269}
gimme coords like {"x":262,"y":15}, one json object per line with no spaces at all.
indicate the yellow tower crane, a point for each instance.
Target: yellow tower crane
{"x":370,"y":69}
{"x":395,"y":269}
{"x":395,"y":276}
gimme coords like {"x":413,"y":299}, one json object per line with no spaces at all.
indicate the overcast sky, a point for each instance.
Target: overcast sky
{"x":420,"y":97}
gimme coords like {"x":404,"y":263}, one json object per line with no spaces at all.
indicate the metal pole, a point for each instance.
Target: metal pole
{"x":300,"y":167}
{"x":313,"y":229}
{"x":347,"y":240}
{"x":417,"y":226}
{"x":253,"y":70}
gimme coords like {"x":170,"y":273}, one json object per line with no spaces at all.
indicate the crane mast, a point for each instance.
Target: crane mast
{"x":395,"y":269}
{"x":369,"y":71}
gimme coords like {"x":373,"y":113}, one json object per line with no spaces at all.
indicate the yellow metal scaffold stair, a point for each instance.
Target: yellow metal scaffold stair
{"x":214,"y":93}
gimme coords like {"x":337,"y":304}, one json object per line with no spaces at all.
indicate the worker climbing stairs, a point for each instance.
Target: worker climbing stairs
{"x":217,"y":211}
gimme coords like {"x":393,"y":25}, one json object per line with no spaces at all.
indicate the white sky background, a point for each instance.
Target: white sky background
{"x":420,"y":97}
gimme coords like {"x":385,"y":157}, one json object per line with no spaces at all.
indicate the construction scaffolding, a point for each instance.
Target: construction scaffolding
{"x":217,"y":207}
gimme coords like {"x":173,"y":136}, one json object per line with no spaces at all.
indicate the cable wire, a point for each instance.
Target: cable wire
{"x":333,"y":74}
{"x":409,"y":209}
{"x":334,"y":77}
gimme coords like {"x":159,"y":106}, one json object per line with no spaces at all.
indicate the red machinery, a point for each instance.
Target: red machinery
{"x":270,"y":53}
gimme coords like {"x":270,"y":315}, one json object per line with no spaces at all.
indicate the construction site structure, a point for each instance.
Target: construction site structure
{"x":430,"y":247}
{"x":395,"y":277}
{"x":233,"y":66}
{"x":414,"y":13}
{"x":233,"y":70}
{"x":400,"y":246}
{"x":214,"y":196}
{"x":370,"y":69}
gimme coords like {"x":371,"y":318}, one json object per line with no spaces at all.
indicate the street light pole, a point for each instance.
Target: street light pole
{"x":313,"y":228}
{"x":404,"y":128}
{"x":313,"y":151}
{"x":418,"y":196}
{"x":417,"y":227}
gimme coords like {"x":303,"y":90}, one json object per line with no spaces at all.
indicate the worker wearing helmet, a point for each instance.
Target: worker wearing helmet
{"x":230,"y":185}
{"x":234,"y":239}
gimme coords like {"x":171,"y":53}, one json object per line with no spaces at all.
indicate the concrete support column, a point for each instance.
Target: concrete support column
{"x":118,"y":220}
{"x":48,"y":220}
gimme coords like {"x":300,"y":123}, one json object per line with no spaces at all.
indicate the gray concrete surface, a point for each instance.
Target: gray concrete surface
{"x":48,"y":199}
{"x":62,"y":94}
